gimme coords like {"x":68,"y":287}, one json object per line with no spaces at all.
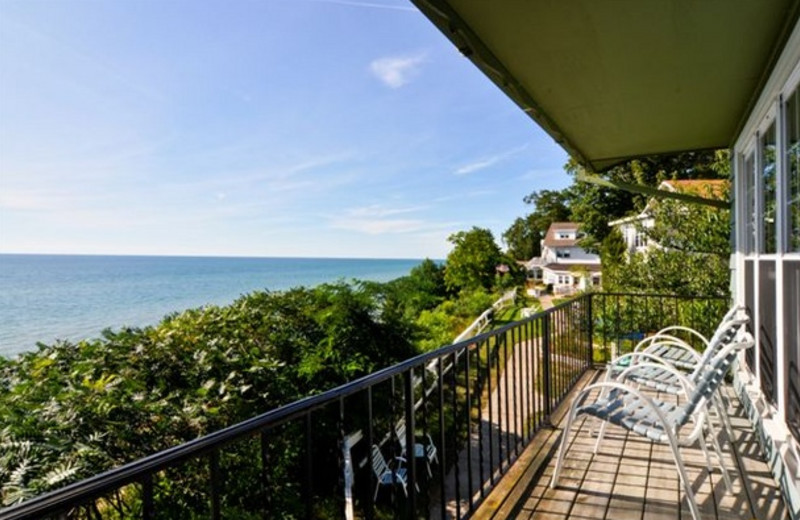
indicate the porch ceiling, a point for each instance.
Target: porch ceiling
{"x":610,"y":81}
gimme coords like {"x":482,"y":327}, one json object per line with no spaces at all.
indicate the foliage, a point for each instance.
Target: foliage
{"x":473,"y":260}
{"x":441,"y":325}
{"x":595,"y":206}
{"x":523,"y":238}
{"x":691,"y":255}
{"x":71,"y":410}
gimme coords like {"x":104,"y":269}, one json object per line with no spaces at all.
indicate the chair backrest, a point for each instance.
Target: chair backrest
{"x":726,"y":334}
{"x":400,"y":431}
{"x":711,"y":378}
{"x":379,"y":465}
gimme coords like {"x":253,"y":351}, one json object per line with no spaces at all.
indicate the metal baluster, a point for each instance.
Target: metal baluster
{"x":455,"y":435}
{"x":148,"y":511}
{"x":411,"y":465}
{"x":480,"y":415}
{"x":468,"y":424}
{"x":215,"y":484}
{"x":265,"y":474}
{"x":308,"y":495}
{"x":442,"y":445}
{"x":370,"y":440}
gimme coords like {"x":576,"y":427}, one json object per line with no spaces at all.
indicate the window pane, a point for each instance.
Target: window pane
{"x":767,"y":328}
{"x":791,"y":341}
{"x":768,"y":165}
{"x":750,"y":304}
{"x":792,"y":197}
{"x":750,"y":201}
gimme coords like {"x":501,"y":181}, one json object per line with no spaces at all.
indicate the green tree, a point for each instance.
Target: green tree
{"x":691,"y":256}
{"x":523,"y":238}
{"x":473,"y":260}
{"x":613,"y":259}
{"x":595,"y":206}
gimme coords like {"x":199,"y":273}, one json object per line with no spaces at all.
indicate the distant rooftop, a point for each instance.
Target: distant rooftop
{"x":551,"y":239}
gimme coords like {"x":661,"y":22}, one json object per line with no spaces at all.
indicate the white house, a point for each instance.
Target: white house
{"x":563,"y":263}
{"x":634,"y":228}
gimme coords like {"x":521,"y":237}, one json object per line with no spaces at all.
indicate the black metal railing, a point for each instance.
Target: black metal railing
{"x":466,"y":412}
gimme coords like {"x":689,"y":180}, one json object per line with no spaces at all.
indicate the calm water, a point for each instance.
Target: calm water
{"x":45,"y":297}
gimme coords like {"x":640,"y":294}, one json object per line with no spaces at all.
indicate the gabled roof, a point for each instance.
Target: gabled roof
{"x":613,"y":80}
{"x":550,"y":239}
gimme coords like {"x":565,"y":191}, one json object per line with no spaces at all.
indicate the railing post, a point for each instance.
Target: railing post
{"x":590,"y":329}
{"x":411,"y":462}
{"x":148,"y":511}
{"x":546,"y":362}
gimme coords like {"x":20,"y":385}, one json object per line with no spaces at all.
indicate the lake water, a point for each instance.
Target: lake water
{"x":48,"y":297}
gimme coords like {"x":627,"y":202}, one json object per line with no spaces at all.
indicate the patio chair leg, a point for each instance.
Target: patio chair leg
{"x":687,"y":485}
{"x":704,"y":449}
{"x":600,"y":436}
{"x":718,"y":451}
{"x":720,"y":409}
{"x":563,"y":447}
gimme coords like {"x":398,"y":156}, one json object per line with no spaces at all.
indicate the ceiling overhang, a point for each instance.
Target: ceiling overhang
{"x":615,"y":80}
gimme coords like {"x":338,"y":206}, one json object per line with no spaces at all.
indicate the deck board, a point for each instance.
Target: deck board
{"x":632,"y":478}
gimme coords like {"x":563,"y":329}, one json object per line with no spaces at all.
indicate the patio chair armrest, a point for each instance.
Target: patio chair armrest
{"x":660,"y":338}
{"x":685,"y":329}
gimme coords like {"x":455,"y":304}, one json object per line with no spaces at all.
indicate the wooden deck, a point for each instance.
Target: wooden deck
{"x":632,"y":478}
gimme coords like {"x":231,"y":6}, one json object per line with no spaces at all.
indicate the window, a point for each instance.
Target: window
{"x":562,"y":253}
{"x":639,"y":239}
{"x":750,"y":203}
{"x":768,"y":197}
{"x":792,"y":185}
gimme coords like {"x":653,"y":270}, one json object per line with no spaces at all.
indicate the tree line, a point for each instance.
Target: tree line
{"x":693,"y":242}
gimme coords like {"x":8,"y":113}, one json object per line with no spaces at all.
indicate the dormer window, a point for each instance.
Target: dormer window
{"x":562,"y":253}
{"x":564,"y":236}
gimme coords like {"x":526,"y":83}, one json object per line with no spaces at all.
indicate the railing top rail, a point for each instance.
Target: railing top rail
{"x":659,"y":295}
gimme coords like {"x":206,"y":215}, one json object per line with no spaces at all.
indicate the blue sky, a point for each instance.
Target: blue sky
{"x":337,"y":128}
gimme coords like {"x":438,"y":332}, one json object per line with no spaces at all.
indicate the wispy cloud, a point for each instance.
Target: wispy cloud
{"x":396,"y":71}
{"x":379,"y":220}
{"x":377,"y":211}
{"x":368,"y":5}
{"x":488,"y":162}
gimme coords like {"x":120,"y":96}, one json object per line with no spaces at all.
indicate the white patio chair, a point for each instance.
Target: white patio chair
{"x":422,"y":450}
{"x":630,"y":408}
{"x":677,"y":352}
{"x":674,"y":352}
{"x":385,"y":475}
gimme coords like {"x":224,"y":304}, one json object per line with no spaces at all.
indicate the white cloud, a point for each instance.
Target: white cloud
{"x":378,"y":226}
{"x":377,"y":211}
{"x":370,"y":5}
{"x":373,"y":220}
{"x":396,"y":71}
{"x":487,"y":162}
